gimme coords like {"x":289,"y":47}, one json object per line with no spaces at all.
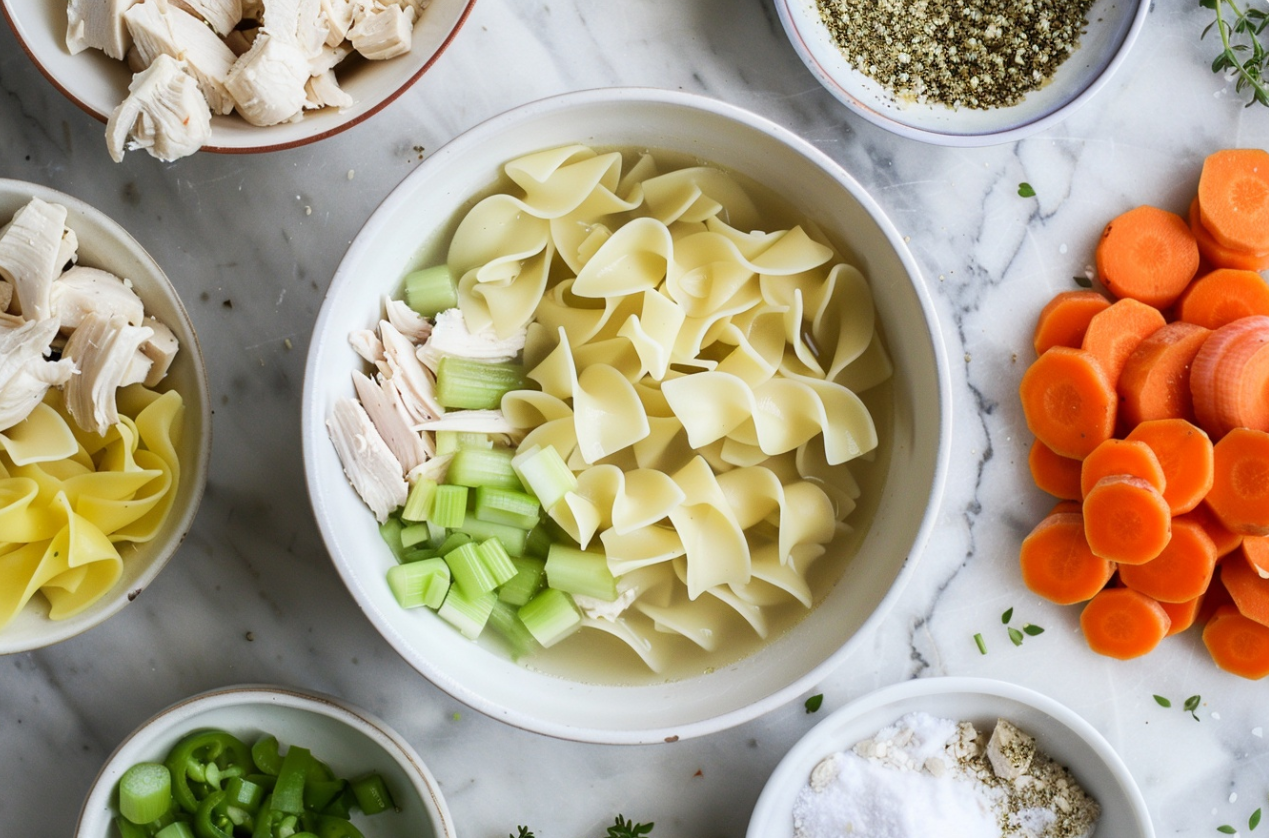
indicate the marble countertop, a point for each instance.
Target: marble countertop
{"x":253,"y":597}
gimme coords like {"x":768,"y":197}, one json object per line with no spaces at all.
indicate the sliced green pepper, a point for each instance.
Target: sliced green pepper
{"x":332,"y":827}
{"x":266,"y":755}
{"x":207,"y":757}
{"x":288,"y":794}
{"x":245,"y":793}
{"x":372,"y":794}
{"x":212,"y":819}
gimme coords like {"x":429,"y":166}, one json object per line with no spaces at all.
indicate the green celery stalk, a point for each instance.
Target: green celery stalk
{"x":506,"y":506}
{"x":580,"y":572}
{"x":419,"y":502}
{"x":477,"y":467}
{"x":467,"y":614}
{"x":449,"y":506}
{"x":504,"y":620}
{"x":513,"y":538}
{"x":421,"y":583}
{"x":530,"y":578}
{"x":431,"y":290}
{"x":545,"y":474}
{"x":551,"y":616}
{"x":476,"y":385}
{"x":469,"y":570}
{"x":496,"y":560}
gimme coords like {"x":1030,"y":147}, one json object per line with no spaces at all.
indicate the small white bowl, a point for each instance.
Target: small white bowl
{"x":1058,"y":731}
{"x":1103,"y":47}
{"x":98,"y":83}
{"x":348,"y":739}
{"x":105,"y":244}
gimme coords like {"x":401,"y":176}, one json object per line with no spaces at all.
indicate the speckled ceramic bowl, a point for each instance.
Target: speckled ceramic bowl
{"x":1058,"y":731}
{"x":350,"y":740}
{"x":105,"y":244}
{"x":1114,"y":26}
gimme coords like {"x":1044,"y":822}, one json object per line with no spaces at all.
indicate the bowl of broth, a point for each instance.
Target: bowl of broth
{"x":703,"y":311}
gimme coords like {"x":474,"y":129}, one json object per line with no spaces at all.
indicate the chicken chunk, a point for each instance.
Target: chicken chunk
{"x":384,"y":408}
{"x":159,"y":27}
{"x":29,"y":251}
{"x":25,"y":374}
{"x":268,"y":81}
{"x":382,"y":31}
{"x":98,"y":24}
{"x":371,"y":468}
{"x":450,"y":336}
{"x":323,"y":91}
{"x":103,"y":350}
{"x":221,"y":15}
{"x":161,"y":349}
{"x":164,"y":113}
{"x":82,"y":291}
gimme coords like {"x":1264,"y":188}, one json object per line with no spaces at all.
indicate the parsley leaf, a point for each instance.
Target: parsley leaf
{"x":523,"y":833}
{"x":1161,"y":701}
{"x":1254,"y":820}
{"x":1025,"y":190}
{"x":1007,"y":616}
{"x":1032,"y":630}
{"x":623,"y":828}
{"x":814,"y":702}
{"x":1016,"y":636}
{"x":1226,"y":829}
{"x":1192,"y":704}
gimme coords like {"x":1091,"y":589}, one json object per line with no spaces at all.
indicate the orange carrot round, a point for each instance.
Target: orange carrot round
{"x":1121,"y":456}
{"x":1256,"y":551}
{"x":1233,"y":198}
{"x":1181,"y":571}
{"x":1237,"y":645}
{"x":1057,"y":563}
{"x":1223,"y":296}
{"x":1155,"y":382}
{"x":1229,"y":382}
{"x":1068,"y":401}
{"x":1057,"y":475}
{"x":1114,"y":334}
{"x":1182,"y":614}
{"x":1226,"y":542}
{"x":1067,"y":506}
{"x":1217,"y":254}
{"x":1147,"y":254}
{"x":1121,"y":623}
{"x":1184,"y":452}
{"x":1126,"y":520}
{"x":1240,"y":485}
{"x":1247,"y":588}
{"x":1064,"y":320}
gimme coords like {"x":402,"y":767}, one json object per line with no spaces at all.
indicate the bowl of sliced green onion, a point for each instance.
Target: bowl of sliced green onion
{"x":264,"y":760}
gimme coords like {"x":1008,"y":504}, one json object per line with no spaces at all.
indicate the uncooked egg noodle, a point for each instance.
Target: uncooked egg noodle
{"x":697,"y":373}
{"x":68,"y":496}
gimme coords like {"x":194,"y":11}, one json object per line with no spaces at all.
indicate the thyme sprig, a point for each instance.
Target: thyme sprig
{"x":1242,"y":50}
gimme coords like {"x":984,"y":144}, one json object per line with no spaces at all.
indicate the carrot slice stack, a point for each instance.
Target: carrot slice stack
{"x":1184,"y":453}
{"x":1223,"y":296}
{"x":1155,"y":383}
{"x":1233,"y":198}
{"x":1181,"y":572}
{"x":1064,"y":320}
{"x":1147,"y":254}
{"x":1229,"y":382}
{"x":1114,"y":334}
{"x":1068,"y":401}
{"x":1057,"y":563}
{"x":1126,"y":520}
{"x":1121,"y":623}
{"x":1240,"y":485}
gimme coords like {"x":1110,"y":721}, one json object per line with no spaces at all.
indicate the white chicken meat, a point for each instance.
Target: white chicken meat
{"x":82,"y":291}
{"x":29,"y":249}
{"x":104,"y":350}
{"x":98,"y":24}
{"x":268,"y":81}
{"x":162,"y":28}
{"x":221,"y":15}
{"x":25,"y":374}
{"x":369,"y":464}
{"x":164,"y":113}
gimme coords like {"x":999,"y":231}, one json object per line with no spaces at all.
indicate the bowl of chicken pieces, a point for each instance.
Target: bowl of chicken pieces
{"x":176,"y":76}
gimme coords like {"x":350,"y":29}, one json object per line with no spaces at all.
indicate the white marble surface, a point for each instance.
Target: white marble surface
{"x":233,"y":234}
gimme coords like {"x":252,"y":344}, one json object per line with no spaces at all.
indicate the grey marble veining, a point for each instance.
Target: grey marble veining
{"x":252,"y":241}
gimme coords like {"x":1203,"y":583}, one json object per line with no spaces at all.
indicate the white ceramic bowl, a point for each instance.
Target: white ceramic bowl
{"x":97,"y":83}
{"x":428,"y":200}
{"x":104,"y":244}
{"x":1058,"y":731}
{"x":348,"y":739}
{"x":1102,"y":49}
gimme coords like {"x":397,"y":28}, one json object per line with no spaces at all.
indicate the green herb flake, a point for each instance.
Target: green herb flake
{"x":1083,"y":281}
{"x":1226,"y":829}
{"x":982,"y":644}
{"x":1025,"y":190}
{"x":814,"y":702}
{"x":1254,"y":820}
{"x":522,"y":833}
{"x":1161,"y":701}
{"x":1016,"y":636}
{"x":1007,"y":616}
{"x":1032,"y":630}
{"x":1192,"y":704}
{"x":623,"y":828}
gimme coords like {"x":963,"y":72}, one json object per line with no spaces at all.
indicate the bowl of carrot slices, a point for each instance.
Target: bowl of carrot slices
{"x":1149,"y":403}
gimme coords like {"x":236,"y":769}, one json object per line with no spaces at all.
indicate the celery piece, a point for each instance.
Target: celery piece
{"x":453,"y":541}
{"x":506,"y":506}
{"x":529,"y":579}
{"x":496,"y":560}
{"x":538,"y":542}
{"x":419,"y":503}
{"x":372,"y":794}
{"x":438,"y":534}
{"x":390,"y":532}
{"x":145,"y":792}
{"x":513,"y":538}
{"x":414,"y":534}
{"x":545,"y":474}
{"x":418,"y":554}
{"x":175,"y":829}
{"x":447,"y":442}
{"x":462,"y":383}
{"x":470,"y":572}
{"x":467,"y":614}
{"x":420,"y":583}
{"x":483,"y":467}
{"x":449,"y":506}
{"x":431,"y":290}
{"x":504,"y":620}
{"x":550,"y":616}
{"x":580,"y":572}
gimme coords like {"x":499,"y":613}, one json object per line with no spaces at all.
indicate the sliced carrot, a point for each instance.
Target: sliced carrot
{"x":1223,"y":296}
{"x":1256,"y":551}
{"x":1247,"y":588}
{"x":1126,"y":520}
{"x":1068,"y":401}
{"x":1121,"y":623}
{"x":1064,"y":320}
{"x":1233,"y":197}
{"x":1218,"y":254}
{"x":1147,"y":254}
{"x":1229,"y":382}
{"x":1226,"y":542}
{"x":1067,"y":506}
{"x":1057,"y":563}
{"x":1113,"y":334}
{"x":1155,"y":382}
{"x":1181,"y":572}
{"x":1237,"y":645}
{"x":1121,"y":456}
{"x":1057,"y":475}
{"x":1182,"y":614}
{"x":1185,"y":453}
{"x":1240,"y":485}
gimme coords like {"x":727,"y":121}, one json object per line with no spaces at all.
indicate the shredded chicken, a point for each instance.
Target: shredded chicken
{"x":383,"y":406}
{"x":103,"y":350}
{"x":451,"y":337}
{"x":29,"y":251}
{"x":162,"y":28}
{"x":268,"y":81}
{"x":82,"y":291}
{"x":164,"y":113}
{"x":97,"y":24}
{"x":25,"y":375}
{"x":371,"y":468}
{"x":382,"y":31}
{"x":221,"y":15}
{"x":401,"y":368}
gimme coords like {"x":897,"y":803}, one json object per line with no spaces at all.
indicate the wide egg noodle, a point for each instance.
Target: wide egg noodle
{"x":43,"y":436}
{"x":634,"y":259}
{"x":715,"y":548}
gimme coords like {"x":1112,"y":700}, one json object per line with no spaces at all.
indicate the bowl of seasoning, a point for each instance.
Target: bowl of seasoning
{"x":963,"y":73}
{"x":258,"y":759}
{"x":974,"y":755}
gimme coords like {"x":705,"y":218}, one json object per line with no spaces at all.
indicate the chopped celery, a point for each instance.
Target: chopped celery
{"x":496,"y":560}
{"x":513,"y":538}
{"x":453,"y":541}
{"x":506,"y":506}
{"x":483,"y":467}
{"x":550,"y":616}
{"x":418,"y":554}
{"x":449,"y":506}
{"x":529,"y":579}
{"x":390,"y":532}
{"x":420,"y":583}
{"x":504,"y":620}
{"x":538,"y":542}
{"x":476,"y":385}
{"x":414,"y":534}
{"x":372,"y":794}
{"x":580,"y":572}
{"x":175,"y":829}
{"x":545,"y":474}
{"x":470,"y":572}
{"x":145,"y":792}
{"x":447,"y":442}
{"x":431,"y":290}
{"x":419,"y":503}
{"x":467,"y":614}
{"x":438,"y":533}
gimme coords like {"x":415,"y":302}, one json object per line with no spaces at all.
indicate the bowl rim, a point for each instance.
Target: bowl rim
{"x":294,"y":698}
{"x":313,"y":427}
{"x":812,"y":744}
{"x":953,"y":139}
{"x":72,"y":627}
{"x":264,"y":147}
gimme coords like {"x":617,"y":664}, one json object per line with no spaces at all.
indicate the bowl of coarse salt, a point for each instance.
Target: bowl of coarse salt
{"x":951,"y":756}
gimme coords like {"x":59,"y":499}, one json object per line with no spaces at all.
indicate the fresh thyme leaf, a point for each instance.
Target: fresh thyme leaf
{"x":1083,"y":281}
{"x":1254,"y":820}
{"x":1007,"y":616}
{"x":1016,"y":636}
{"x":523,"y":833}
{"x":1032,"y":630}
{"x":813,"y":703}
{"x":1191,"y":704}
{"x":623,"y":828}
{"x":1242,"y":50}
{"x":1227,"y":829}
{"x":982,"y":644}
{"x":1161,"y":701}
{"x":1025,"y":190}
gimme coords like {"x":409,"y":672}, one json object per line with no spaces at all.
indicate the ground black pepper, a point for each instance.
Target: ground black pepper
{"x":960,"y":53}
